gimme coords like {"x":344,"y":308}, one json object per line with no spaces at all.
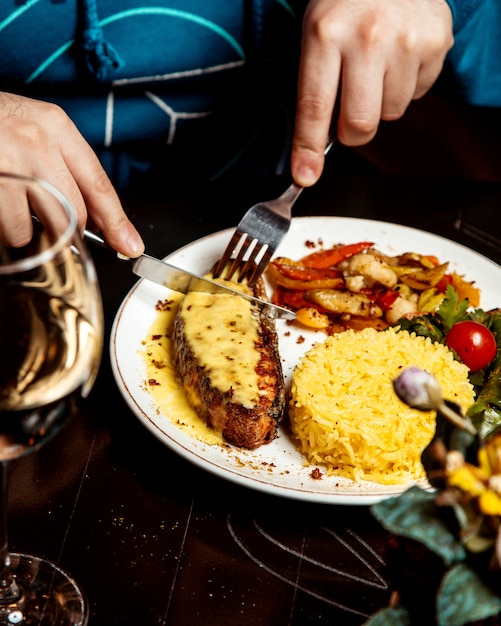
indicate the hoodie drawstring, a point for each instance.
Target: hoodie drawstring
{"x":101,"y":58}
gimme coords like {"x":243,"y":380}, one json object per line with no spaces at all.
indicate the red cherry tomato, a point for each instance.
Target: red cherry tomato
{"x":474,"y":344}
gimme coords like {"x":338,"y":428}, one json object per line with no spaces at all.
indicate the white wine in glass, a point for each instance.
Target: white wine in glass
{"x":51,"y":336}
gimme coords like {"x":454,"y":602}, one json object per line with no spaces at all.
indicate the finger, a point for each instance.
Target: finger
{"x":318,"y":82}
{"x":107,"y":213}
{"x":15,"y":220}
{"x":102,"y":201}
{"x":361,"y":96}
{"x":409,"y":79}
{"x":427,"y":75}
{"x":399,"y":88}
{"x":441,"y":40}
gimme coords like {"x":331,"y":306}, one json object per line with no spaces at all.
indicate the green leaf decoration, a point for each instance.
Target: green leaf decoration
{"x":424,"y":326}
{"x":485,"y":412}
{"x":394,"y":616}
{"x":452,"y":310}
{"x":492,"y":319}
{"x":463,"y":598}
{"x":415,"y":515}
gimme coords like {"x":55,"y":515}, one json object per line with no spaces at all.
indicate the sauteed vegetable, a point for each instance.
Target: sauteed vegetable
{"x":355,"y":286}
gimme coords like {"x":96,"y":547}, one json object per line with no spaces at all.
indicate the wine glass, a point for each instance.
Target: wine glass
{"x":51,"y":336}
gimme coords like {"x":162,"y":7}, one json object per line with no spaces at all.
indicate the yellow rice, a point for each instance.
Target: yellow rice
{"x":346,"y":416}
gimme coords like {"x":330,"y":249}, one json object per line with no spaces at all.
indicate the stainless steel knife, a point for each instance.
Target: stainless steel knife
{"x":180,"y":280}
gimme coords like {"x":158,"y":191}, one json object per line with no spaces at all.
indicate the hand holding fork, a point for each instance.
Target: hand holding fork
{"x":258,"y":235}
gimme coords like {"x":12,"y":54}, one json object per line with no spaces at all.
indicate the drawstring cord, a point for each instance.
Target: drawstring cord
{"x":101,"y":58}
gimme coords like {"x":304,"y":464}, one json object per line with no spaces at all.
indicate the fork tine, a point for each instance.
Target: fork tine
{"x":223,"y":262}
{"x":237,"y":261}
{"x":260,"y":267}
{"x":254,"y":261}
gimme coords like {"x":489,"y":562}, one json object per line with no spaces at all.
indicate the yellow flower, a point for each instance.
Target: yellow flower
{"x":468,"y":478}
{"x":482,"y":482}
{"x":490,"y":456}
{"x":490,"y":503}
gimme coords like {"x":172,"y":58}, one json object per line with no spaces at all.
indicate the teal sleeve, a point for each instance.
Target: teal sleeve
{"x":473,"y":61}
{"x":462,"y":11}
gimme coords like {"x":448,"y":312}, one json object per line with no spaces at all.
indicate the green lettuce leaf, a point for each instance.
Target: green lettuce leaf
{"x":392,"y":616}
{"x":463,"y":598}
{"x":415,"y":515}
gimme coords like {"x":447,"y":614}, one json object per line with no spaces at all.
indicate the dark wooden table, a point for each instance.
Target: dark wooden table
{"x":155,"y":540}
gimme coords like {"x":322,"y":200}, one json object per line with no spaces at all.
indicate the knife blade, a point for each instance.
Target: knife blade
{"x":177,"y":279}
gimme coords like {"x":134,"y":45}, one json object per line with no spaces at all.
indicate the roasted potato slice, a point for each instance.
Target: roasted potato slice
{"x":342,"y":302}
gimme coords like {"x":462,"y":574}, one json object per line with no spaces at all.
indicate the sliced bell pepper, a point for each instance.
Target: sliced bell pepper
{"x":276,"y":275}
{"x":443,"y":282}
{"x":298,"y":271}
{"x":466,"y":289}
{"x":384,"y":298}
{"x":331,"y":257}
{"x":434,"y":260}
{"x":312,"y":318}
{"x":296,"y":300}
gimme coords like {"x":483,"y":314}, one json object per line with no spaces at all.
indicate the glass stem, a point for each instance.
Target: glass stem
{"x":9,"y":590}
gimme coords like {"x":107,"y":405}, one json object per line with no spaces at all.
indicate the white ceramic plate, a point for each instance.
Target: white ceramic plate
{"x":277,"y":468}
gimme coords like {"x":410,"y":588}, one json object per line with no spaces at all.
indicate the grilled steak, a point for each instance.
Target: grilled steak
{"x":227,"y":357}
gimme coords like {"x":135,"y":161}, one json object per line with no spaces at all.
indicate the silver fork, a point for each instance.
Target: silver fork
{"x":258,"y":235}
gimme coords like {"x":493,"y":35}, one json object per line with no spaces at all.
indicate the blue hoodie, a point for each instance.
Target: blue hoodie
{"x":193,"y":84}
{"x":474,"y":62}
{"x":143,"y":79}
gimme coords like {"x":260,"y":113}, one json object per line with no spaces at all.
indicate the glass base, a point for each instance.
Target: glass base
{"x":48,"y":596}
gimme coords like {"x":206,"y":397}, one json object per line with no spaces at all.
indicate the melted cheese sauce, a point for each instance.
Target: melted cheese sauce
{"x":225,"y":330}
{"x":162,"y":380}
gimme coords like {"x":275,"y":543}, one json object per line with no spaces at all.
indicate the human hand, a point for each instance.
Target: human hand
{"x":40,"y":140}
{"x":377,"y":55}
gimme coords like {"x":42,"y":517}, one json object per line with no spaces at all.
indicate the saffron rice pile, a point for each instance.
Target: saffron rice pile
{"x":346,"y":416}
